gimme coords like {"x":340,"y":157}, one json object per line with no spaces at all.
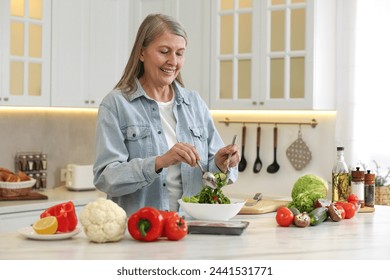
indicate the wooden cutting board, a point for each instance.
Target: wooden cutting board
{"x":366,"y":209}
{"x":28,"y":196}
{"x":262,"y":207}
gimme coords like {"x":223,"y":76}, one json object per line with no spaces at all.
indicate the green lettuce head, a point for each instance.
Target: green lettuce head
{"x":306,"y":190}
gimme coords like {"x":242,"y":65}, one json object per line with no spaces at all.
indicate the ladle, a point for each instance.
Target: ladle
{"x":258,"y":164}
{"x":274,"y":167}
{"x":208,"y":178}
{"x":242,"y":163}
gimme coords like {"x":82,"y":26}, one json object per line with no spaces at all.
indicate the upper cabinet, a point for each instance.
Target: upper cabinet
{"x":272,"y":54}
{"x":241,"y":54}
{"x":89,"y":50}
{"x":25,"y":29}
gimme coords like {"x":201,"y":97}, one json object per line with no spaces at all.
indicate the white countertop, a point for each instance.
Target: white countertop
{"x":55,"y":195}
{"x":366,"y":236}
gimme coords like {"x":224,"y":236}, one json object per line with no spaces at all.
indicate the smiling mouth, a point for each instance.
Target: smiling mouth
{"x":169,"y":71}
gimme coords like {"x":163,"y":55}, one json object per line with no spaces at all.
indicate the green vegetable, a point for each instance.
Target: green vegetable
{"x":209,"y":195}
{"x":294,"y":210}
{"x":306,"y":190}
{"x":318,"y":215}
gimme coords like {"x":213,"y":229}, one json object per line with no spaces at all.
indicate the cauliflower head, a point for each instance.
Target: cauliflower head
{"x":103,"y":221}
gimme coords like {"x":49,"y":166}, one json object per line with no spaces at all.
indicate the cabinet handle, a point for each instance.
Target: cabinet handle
{"x":261,"y":103}
{"x":5,"y":98}
{"x":86,"y":102}
{"x":254,"y":103}
{"x":92,"y":101}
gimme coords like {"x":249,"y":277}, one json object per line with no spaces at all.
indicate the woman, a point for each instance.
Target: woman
{"x":151,"y":131}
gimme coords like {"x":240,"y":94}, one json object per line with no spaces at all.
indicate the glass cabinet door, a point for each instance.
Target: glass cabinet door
{"x":26,"y":53}
{"x":260,"y":53}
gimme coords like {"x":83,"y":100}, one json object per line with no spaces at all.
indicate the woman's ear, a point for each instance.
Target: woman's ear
{"x":141,"y":56}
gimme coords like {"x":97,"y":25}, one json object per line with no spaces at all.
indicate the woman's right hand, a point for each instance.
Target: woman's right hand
{"x":180,"y":152}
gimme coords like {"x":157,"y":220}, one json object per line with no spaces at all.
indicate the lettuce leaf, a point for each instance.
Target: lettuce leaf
{"x":306,"y":190}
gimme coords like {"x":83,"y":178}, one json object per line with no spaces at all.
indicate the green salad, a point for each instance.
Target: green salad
{"x":209,"y":195}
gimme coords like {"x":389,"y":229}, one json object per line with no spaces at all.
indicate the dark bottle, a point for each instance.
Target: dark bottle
{"x":369,"y":189}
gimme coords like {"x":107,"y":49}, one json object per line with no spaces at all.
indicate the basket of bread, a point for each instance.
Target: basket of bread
{"x":15,"y":184}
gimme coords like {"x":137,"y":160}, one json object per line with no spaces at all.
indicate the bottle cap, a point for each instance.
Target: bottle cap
{"x":340,"y":148}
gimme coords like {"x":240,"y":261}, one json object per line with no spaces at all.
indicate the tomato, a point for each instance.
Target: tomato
{"x":284,"y":216}
{"x":176,"y":228}
{"x":350,"y":210}
{"x":352,"y":198}
{"x":342,"y":211}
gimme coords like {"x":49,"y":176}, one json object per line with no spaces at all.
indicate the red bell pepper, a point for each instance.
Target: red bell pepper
{"x":65,"y":214}
{"x":176,"y":228}
{"x":166,"y":215}
{"x":146,"y":224}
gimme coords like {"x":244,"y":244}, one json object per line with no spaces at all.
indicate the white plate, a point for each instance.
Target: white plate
{"x":30,"y":233}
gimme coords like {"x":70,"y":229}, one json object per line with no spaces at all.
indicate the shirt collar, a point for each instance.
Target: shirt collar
{"x":180,"y":94}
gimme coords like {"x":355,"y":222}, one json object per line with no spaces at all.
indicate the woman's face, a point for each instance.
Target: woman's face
{"x":163,"y":59}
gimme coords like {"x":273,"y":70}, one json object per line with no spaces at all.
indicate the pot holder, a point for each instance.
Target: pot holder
{"x":298,"y":153}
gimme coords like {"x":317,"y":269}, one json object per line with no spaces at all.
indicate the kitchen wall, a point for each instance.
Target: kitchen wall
{"x":67,"y":136}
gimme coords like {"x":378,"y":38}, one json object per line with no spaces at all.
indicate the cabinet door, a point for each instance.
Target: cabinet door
{"x":25,"y":28}
{"x":90,"y":49}
{"x":69,"y":46}
{"x":262,"y":54}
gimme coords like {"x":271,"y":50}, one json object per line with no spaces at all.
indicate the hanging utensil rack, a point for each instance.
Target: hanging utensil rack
{"x":313,"y":123}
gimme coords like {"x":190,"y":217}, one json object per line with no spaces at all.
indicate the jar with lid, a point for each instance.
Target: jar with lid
{"x":30,"y":163}
{"x":340,"y":178}
{"x":369,"y":189}
{"x":357,"y":185}
{"x":43,"y":180}
{"x":44,"y":161}
{"x":23,"y":163}
{"x":37,"y":161}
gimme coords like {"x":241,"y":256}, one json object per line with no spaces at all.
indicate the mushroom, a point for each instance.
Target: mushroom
{"x":334,"y":213}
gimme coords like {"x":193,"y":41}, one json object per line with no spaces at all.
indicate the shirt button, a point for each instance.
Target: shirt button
{"x":134,"y":134}
{"x":153,"y":109}
{"x":159,"y":132}
{"x":164,"y":185}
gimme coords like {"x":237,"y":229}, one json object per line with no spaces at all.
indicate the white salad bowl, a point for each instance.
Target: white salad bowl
{"x":212,"y":212}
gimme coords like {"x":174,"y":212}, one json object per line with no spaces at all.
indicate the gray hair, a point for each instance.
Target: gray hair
{"x":151,"y":28}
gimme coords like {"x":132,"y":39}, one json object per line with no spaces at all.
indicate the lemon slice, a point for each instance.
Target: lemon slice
{"x":47,"y":225}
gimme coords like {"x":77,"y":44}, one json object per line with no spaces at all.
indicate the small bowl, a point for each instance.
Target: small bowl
{"x":213,"y":212}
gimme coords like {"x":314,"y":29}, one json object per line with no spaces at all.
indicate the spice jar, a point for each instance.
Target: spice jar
{"x":369,"y":189}
{"x":37,"y":160}
{"x":357,"y":185}
{"x":30,"y":163}
{"x":44,"y":161}
{"x":43,"y":180}
{"x":23,"y":163}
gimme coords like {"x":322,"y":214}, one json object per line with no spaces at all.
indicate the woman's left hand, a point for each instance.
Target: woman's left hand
{"x":221,"y":157}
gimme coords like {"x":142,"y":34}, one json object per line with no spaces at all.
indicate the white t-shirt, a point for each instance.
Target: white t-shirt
{"x":174,"y":176}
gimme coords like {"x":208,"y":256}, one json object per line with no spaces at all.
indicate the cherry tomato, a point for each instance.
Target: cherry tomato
{"x":352,"y":198}
{"x":342,"y":211}
{"x":284,"y":216}
{"x":350,"y":210}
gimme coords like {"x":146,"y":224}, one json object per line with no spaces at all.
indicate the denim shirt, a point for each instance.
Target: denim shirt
{"x":129,"y":137}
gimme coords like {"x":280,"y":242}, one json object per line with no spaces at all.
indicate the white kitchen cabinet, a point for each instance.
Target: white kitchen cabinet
{"x":25,"y":32}
{"x":195,"y":17}
{"x":90,"y":48}
{"x":273,"y":54}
